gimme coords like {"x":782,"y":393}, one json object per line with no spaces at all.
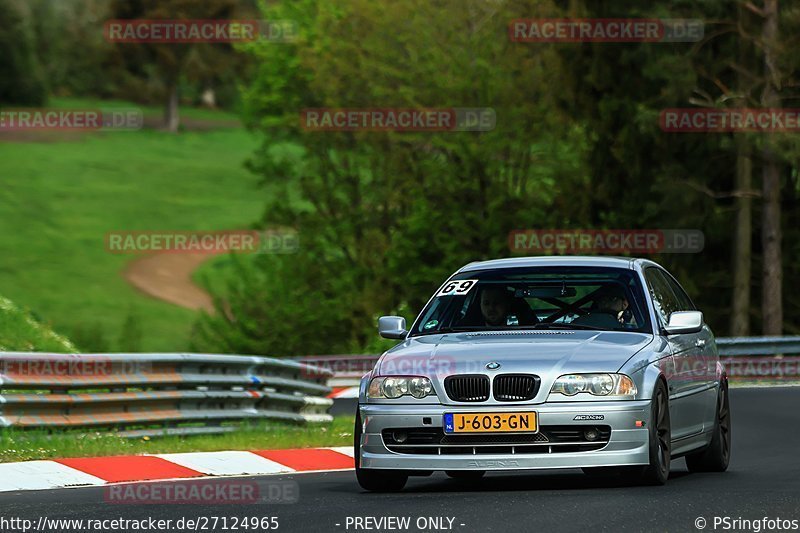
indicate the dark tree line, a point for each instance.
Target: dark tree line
{"x":384,"y":217}
{"x":59,"y":48}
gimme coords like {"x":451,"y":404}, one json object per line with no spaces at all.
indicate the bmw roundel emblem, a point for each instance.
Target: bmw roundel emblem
{"x":494,"y":365}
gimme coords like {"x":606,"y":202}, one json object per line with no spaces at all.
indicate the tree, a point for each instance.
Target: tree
{"x":720,"y":71}
{"x":384,"y":216}
{"x":21,"y":79}
{"x":772,"y":288}
{"x":743,"y":229}
{"x":641,"y":176}
{"x":169,"y":62}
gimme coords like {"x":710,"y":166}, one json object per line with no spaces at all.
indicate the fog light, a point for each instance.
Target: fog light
{"x":400,"y":437}
{"x":591,"y":434}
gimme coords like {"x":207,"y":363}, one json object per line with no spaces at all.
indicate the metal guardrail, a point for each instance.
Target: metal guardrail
{"x":347,"y":369}
{"x":181,"y":393}
{"x":205,"y":393}
{"x":744,"y":346}
{"x":771,"y":359}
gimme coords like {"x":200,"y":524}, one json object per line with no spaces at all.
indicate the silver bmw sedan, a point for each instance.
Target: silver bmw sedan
{"x":603,"y":364}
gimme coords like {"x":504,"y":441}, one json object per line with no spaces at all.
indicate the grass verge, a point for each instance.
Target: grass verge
{"x":21,"y":332}
{"x":17,"y":445}
{"x":59,"y":199}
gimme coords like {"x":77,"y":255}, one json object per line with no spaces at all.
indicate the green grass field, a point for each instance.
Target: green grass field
{"x":59,"y":199}
{"x":20,"y":332}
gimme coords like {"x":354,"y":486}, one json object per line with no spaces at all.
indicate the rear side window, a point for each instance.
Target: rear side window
{"x":664,"y":298}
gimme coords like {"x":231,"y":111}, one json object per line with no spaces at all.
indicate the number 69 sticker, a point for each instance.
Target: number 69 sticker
{"x":457,"y":288}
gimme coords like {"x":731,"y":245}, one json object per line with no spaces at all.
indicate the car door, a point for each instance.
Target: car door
{"x":687,"y":409}
{"x":704,"y":358}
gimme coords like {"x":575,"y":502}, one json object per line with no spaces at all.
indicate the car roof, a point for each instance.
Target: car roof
{"x":555,"y":260}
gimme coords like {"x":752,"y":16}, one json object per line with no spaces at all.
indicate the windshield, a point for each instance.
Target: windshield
{"x":537,"y":298}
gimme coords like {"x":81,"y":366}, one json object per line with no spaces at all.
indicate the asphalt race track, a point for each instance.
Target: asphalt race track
{"x":763,"y":481}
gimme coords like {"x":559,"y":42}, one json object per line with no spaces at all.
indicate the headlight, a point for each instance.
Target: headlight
{"x":594,"y":384}
{"x":397,"y":386}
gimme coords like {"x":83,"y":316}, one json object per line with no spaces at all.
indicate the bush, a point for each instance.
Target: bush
{"x":90,"y":338}
{"x":276,"y":306}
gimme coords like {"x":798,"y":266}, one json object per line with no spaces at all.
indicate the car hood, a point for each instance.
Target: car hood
{"x":548,"y":354}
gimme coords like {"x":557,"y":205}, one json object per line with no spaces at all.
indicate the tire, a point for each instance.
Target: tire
{"x":371,"y":479}
{"x":660,"y":448}
{"x":465,"y":475}
{"x":716,"y":456}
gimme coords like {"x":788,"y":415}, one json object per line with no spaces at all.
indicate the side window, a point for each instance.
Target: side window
{"x":683,"y":299}
{"x":664,"y":299}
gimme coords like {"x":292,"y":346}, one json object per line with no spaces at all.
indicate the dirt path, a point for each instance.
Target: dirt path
{"x":168,"y":277}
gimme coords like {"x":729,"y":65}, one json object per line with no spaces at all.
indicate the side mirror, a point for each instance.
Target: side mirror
{"x":684,"y":322}
{"x":392,"y":327}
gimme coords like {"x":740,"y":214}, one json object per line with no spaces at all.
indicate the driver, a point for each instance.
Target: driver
{"x":609,"y":309}
{"x":611,"y":299}
{"x":495,"y":306}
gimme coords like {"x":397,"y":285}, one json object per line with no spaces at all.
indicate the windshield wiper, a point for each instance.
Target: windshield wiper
{"x":461,"y":329}
{"x":540,"y":325}
{"x":561,"y":325}
{"x":444,"y":330}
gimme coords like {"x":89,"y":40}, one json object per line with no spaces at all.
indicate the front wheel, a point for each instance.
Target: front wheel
{"x":660,"y":438}
{"x":717,"y":455}
{"x":371,"y":479}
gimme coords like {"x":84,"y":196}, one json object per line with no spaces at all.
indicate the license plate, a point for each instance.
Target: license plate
{"x":490,"y":422}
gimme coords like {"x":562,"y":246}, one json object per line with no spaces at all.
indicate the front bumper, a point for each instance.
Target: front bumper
{"x":627,"y":444}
